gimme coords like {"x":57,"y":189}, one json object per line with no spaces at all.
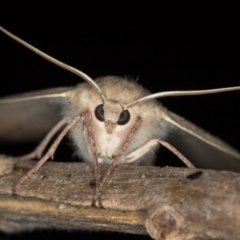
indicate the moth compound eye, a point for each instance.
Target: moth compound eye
{"x":124,"y":117}
{"x":99,"y":112}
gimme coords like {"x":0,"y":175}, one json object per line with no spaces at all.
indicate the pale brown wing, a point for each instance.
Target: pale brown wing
{"x":202,"y":149}
{"x":30,"y":116}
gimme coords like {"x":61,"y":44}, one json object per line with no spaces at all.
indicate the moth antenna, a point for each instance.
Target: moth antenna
{"x":55,"y":61}
{"x":181,"y":93}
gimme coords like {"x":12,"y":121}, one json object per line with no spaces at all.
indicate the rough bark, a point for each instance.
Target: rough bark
{"x":167,"y":203}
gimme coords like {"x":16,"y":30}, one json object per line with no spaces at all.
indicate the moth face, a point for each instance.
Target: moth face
{"x":112,"y":114}
{"x":111,"y":124}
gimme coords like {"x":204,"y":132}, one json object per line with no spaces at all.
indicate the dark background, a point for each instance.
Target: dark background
{"x":180,"y":47}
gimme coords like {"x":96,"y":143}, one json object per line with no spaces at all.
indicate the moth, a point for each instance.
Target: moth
{"x":109,"y":128}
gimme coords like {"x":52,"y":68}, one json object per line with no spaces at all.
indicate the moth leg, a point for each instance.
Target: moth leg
{"x":176,"y":152}
{"x":91,"y":138}
{"x":140,"y":152}
{"x":121,"y":151}
{"x":38,"y":151}
{"x":48,"y":155}
{"x":133,"y":156}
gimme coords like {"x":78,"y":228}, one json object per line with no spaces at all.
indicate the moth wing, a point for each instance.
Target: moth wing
{"x":201,"y":148}
{"x":30,"y":116}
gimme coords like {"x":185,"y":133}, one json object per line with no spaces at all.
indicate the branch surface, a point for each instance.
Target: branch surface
{"x":167,"y":203}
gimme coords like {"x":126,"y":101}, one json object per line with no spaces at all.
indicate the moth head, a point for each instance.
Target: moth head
{"x":112,"y":113}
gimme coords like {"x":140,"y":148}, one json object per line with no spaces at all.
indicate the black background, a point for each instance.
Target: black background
{"x":180,"y":47}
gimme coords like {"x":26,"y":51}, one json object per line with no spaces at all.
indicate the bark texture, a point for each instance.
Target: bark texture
{"x":167,"y":203}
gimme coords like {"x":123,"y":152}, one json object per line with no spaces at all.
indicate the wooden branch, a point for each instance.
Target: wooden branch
{"x":167,"y":203}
